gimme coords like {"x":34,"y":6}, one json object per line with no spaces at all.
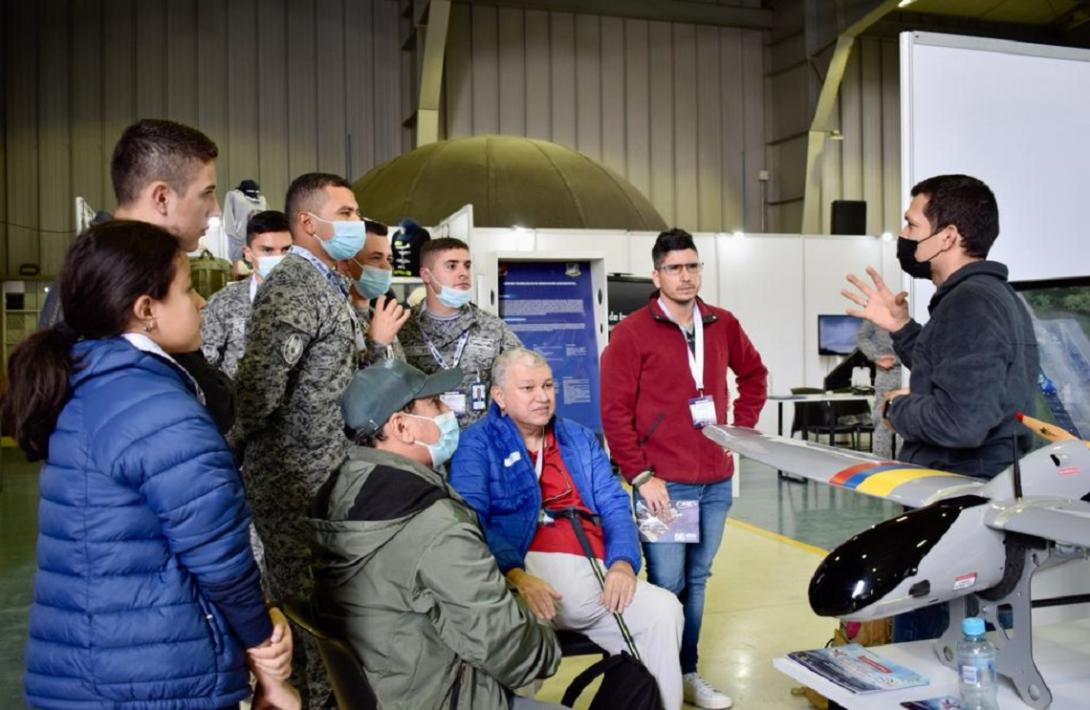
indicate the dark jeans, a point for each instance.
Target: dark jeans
{"x":921,"y":624}
{"x":931,"y":621}
{"x":684,"y":568}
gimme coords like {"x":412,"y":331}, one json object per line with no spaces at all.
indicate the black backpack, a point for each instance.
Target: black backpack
{"x":626,"y":682}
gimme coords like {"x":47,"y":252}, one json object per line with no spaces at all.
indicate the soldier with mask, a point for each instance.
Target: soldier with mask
{"x":447,"y":331}
{"x":299,"y":358}
{"x":380,"y":315}
{"x":226,"y":318}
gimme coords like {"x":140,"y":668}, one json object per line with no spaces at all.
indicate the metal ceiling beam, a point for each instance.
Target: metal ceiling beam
{"x":819,"y":126}
{"x":434,"y":34}
{"x":694,"y":11}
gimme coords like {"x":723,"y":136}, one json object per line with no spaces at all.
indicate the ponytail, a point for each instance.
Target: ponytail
{"x":38,"y":373}
{"x":108,"y":267}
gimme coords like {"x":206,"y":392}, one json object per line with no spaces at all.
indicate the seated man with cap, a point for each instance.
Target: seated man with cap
{"x":401,"y":569}
{"x":531,"y":475}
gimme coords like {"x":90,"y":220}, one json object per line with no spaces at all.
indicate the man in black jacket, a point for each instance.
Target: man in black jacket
{"x":164,"y":173}
{"x":975,"y":362}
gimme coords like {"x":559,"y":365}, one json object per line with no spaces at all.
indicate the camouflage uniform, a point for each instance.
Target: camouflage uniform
{"x":486,"y":336}
{"x":226,"y":319}
{"x":370,"y":351}
{"x":299,"y":359}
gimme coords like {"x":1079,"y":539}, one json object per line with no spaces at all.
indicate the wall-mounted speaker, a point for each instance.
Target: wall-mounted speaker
{"x":849,"y":217}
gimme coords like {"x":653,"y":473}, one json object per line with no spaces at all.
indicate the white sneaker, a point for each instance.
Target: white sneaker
{"x":702,"y":695}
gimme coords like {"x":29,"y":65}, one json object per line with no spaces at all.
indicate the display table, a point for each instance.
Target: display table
{"x":779,"y":399}
{"x":1061,"y":651}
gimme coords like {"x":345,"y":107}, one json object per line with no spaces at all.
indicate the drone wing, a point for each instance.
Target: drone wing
{"x":903,"y":483}
{"x":1059,"y":519}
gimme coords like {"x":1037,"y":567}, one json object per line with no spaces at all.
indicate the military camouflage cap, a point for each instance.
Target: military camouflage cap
{"x":378,"y":391}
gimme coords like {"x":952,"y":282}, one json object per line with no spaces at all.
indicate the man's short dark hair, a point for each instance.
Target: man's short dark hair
{"x":265,"y":222}
{"x":671,"y":240}
{"x":966,"y":203}
{"x":157,"y":149}
{"x":434,"y":246}
{"x":304,"y":190}
{"x":374,"y":227}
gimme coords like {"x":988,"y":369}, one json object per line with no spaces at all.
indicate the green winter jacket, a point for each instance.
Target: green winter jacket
{"x":402,"y":569}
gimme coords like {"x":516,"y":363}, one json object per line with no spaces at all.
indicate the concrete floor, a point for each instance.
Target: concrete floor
{"x":756,"y":602}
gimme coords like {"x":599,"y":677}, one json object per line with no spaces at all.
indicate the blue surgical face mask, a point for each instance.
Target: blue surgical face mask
{"x":373,"y":281}
{"x":452,"y":297}
{"x":265,"y":264}
{"x":347,"y":240}
{"x":442,"y":450}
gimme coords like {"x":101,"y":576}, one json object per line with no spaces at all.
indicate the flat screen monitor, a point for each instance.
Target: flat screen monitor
{"x":626,"y":294}
{"x":836,"y":334}
{"x":1061,"y":322}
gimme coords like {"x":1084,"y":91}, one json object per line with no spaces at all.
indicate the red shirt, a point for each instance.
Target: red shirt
{"x":559,"y":491}
{"x":646,"y":388}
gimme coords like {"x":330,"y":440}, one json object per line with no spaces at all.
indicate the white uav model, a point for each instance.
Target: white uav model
{"x":964,"y":538}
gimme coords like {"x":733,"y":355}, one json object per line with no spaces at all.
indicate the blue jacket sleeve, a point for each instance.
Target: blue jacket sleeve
{"x":613,"y":504}
{"x":470,"y":469}
{"x":182,"y":466}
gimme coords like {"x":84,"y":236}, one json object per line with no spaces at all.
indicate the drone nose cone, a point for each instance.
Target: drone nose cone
{"x":872,"y":564}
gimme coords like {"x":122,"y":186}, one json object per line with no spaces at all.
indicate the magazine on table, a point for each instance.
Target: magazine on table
{"x":857,"y":669}
{"x":680,"y":522}
{"x":947,"y":702}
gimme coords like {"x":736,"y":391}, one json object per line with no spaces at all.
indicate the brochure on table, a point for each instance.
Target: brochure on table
{"x":858,"y":669}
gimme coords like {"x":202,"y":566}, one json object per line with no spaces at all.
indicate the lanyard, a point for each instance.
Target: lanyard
{"x":253,"y":288}
{"x":696,"y":360}
{"x":333,"y":279}
{"x":439,"y":359}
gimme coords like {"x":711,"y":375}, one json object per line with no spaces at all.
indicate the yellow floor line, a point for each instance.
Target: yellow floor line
{"x":777,"y":537}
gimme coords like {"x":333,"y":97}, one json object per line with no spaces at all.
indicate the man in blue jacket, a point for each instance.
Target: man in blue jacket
{"x":519,"y":463}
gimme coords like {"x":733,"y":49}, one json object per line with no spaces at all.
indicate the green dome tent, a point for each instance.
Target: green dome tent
{"x":509,"y":181}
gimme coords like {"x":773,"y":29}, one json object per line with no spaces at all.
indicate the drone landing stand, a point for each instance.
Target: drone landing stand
{"x":1014,"y":645}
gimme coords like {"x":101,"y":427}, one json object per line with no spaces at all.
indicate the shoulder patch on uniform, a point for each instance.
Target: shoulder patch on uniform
{"x":292,"y":349}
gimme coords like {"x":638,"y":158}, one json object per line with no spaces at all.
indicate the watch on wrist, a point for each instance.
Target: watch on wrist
{"x":886,"y":405}
{"x":642,"y":477}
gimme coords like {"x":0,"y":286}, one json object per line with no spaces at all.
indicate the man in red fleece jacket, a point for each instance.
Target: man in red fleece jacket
{"x":664,"y":377}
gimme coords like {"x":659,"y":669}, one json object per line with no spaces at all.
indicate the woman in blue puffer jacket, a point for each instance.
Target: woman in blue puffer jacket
{"x":146,"y":594}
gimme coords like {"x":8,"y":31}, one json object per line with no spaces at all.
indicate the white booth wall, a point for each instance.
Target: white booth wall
{"x":776,"y":284}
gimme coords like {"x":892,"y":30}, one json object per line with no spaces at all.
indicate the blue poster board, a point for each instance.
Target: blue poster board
{"x":550,"y":307}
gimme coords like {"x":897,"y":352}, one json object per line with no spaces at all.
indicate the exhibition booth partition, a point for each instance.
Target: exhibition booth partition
{"x":776,"y":284}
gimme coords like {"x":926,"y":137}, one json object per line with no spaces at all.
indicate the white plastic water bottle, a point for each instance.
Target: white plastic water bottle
{"x":976,"y":667}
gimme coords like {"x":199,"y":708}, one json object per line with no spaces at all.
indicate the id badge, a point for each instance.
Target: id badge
{"x":455,"y":400}
{"x":702,"y":410}
{"x":478,"y":395}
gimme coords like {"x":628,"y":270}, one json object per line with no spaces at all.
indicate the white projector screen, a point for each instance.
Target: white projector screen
{"x":1017,"y":116}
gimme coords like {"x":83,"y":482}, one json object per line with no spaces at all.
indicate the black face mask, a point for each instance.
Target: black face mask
{"x":906,"y":256}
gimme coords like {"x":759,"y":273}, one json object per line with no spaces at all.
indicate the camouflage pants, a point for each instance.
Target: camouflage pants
{"x":279,"y":489}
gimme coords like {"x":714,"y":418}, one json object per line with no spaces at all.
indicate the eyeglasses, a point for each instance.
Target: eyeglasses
{"x":675,"y":269}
